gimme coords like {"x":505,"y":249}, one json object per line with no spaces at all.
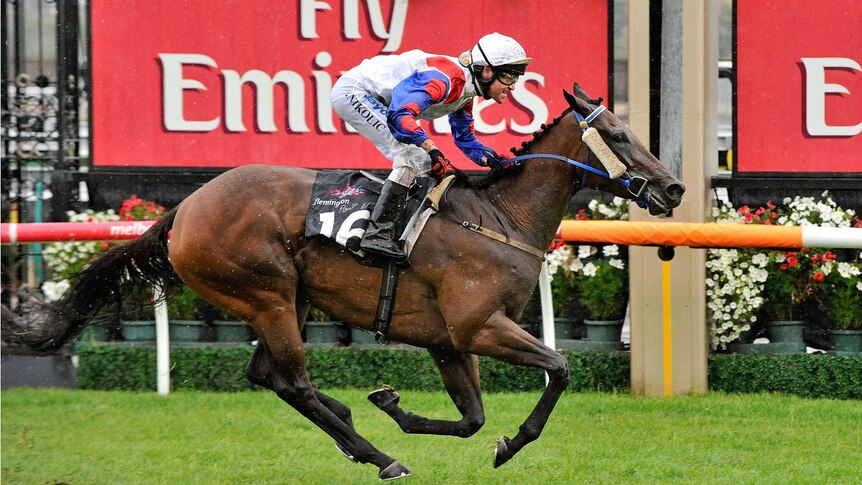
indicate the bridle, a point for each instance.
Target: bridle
{"x":635,"y":185}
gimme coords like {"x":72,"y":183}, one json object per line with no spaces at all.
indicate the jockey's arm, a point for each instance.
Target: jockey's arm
{"x":461,"y":122}
{"x":410,"y":97}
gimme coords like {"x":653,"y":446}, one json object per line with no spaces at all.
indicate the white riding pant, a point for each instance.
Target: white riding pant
{"x":361,"y":110}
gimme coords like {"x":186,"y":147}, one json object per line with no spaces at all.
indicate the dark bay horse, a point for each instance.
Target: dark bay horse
{"x":238,"y":243}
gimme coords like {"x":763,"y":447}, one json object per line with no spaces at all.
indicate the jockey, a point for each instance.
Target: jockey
{"x":383,"y":97}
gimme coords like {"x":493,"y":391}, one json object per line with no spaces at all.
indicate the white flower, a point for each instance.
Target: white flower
{"x":617,"y":263}
{"x":54,"y":290}
{"x":586,"y":251}
{"x":575,"y":265}
{"x":611,"y":250}
{"x":590,"y":269}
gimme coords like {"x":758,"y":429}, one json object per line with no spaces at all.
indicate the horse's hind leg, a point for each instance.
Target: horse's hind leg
{"x":460,"y":373}
{"x":259,"y":371}
{"x":277,"y":327}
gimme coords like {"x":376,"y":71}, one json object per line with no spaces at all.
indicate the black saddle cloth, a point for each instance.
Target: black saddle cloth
{"x":342,"y":201}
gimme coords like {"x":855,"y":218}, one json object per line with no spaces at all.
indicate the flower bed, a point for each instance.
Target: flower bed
{"x":745,"y":286}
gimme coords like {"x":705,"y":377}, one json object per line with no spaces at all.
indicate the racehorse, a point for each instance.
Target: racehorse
{"x":239,"y":243}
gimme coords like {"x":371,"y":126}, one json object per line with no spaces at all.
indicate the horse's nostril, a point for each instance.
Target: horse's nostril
{"x":675,"y":191}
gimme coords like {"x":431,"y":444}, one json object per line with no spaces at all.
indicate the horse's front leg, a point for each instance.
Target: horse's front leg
{"x":460,"y":373}
{"x":501,"y":338}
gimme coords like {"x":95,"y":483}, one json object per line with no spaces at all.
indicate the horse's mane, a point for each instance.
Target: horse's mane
{"x":482,"y":182}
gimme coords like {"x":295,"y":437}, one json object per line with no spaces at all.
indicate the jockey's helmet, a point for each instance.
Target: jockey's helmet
{"x":503,"y":54}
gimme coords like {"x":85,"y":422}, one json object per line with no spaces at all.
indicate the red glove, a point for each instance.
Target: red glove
{"x":440,"y":167}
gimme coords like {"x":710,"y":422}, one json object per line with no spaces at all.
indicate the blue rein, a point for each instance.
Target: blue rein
{"x":640,"y":196}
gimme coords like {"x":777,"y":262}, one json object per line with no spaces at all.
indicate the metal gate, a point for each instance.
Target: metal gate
{"x":44,"y":129}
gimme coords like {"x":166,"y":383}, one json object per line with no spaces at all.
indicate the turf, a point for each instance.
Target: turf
{"x":91,"y":437}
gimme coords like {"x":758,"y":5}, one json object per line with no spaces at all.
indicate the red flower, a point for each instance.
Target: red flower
{"x":818,"y":276}
{"x":792,"y":261}
{"x":784,"y":266}
{"x":555,"y":245}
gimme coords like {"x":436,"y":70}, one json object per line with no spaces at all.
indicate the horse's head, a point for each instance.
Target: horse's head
{"x":645,"y":179}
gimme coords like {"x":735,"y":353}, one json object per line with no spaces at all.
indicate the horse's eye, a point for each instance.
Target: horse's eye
{"x":620,"y":138}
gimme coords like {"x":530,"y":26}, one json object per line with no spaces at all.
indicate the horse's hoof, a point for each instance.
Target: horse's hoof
{"x":394,"y":471}
{"x":502,"y":454}
{"x":346,"y":453}
{"x":384,"y":397}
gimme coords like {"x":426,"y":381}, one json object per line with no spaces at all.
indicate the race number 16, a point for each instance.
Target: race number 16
{"x":346,"y":230}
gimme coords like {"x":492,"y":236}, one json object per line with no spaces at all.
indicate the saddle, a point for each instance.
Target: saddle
{"x":342,"y":201}
{"x":340,"y":206}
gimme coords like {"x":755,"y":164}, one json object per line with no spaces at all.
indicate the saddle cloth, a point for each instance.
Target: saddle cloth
{"x":342,"y":201}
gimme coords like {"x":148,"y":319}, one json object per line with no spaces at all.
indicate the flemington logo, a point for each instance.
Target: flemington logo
{"x":347,"y":191}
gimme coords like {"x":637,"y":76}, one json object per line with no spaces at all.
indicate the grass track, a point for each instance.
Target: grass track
{"x":92,"y":437}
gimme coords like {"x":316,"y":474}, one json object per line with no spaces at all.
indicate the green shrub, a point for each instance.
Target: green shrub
{"x":110,"y":366}
{"x":806,"y":375}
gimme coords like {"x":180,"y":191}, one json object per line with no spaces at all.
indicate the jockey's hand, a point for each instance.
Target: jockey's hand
{"x":498,"y":162}
{"x":440,"y":167}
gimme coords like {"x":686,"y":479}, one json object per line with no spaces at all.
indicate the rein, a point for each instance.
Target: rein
{"x":634,"y":185}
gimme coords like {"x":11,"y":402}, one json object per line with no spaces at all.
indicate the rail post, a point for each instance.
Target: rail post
{"x":669,"y":344}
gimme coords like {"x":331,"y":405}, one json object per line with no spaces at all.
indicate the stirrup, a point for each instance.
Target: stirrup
{"x":388,"y":250}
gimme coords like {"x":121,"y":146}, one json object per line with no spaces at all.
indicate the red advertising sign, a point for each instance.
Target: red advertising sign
{"x":799,"y":86}
{"x":220,"y":84}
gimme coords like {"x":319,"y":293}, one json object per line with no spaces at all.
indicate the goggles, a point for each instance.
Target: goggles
{"x":506,"y":79}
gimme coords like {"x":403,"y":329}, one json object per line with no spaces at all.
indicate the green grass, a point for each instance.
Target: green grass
{"x":93,"y":437}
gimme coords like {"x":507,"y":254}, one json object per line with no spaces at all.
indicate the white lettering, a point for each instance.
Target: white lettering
{"x":533,"y":103}
{"x":816,"y":89}
{"x":264,"y":86}
{"x":323,"y":85}
{"x":297,"y":102}
{"x":538,"y":111}
{"x":308,"y":17}
{"x":173,"y":85}
{"x":395,"y":32}
{"x":480,"y":124}
{"x":134,"y":229}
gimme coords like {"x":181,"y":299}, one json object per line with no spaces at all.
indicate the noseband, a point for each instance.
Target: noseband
{"x":636,"y":186}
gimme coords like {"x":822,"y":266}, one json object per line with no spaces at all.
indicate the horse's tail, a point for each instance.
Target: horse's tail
{"x":142,"y":263}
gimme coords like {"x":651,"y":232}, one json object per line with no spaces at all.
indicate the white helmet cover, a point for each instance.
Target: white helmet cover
{"x":499,"y":50}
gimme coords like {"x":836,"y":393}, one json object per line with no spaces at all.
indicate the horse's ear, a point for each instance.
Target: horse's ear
{"x":576,"y":104}
{"x":570,"y":99}
{"x":581,"y":94}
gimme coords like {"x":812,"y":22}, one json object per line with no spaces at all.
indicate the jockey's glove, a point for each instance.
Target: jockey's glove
{"x":498,"y":162}
{"x":440,"y":166}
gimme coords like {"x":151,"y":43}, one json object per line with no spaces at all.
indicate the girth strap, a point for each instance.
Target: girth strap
{"x":383,"y":318}
{"x":504,"y":239}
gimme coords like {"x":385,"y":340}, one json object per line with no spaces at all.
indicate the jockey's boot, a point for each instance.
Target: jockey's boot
{"x":380,"y":236}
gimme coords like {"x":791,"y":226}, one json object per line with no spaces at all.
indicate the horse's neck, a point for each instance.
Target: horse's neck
{"x":535,"y":200}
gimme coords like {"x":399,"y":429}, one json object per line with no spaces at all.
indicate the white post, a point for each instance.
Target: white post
{"x":163,"y":345}
{"x":548,"y":334}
